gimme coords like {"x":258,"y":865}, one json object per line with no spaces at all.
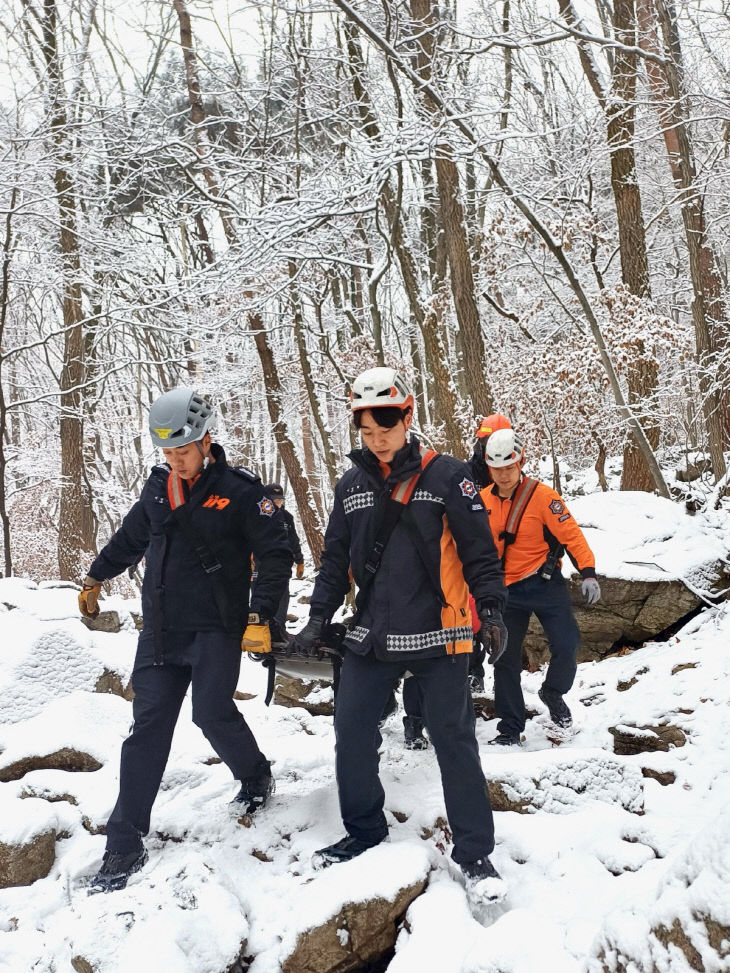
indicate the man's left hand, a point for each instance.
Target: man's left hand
{"x":256,"y":638}
{"x":591,"y":590}
{"x":300,"y":571}
{"x":493,"y":633}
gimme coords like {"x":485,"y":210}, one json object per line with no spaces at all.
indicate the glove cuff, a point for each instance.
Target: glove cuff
{"x":588,"y":572}
{"x":90,"y":582}
{"x":489,"y":606}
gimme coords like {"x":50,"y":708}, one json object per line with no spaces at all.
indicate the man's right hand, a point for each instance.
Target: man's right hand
{"x":306,"y":642}
{"x":89,"y":597}
{"x":493,"y":633}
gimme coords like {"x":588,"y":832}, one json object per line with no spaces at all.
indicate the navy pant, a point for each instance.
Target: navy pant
{"x":210,"y":662}
{"x":365,"y":685}
{"x":550,"y":601}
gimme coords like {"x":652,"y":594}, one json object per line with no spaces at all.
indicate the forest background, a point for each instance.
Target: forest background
{"x":524,"y":205}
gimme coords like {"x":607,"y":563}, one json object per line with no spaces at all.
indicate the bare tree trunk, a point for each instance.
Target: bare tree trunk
{"x":618,"y":104}
{"x":425,"y":14}
{"x":76,"y":527}
{"x":4,"y":302}
{"x":445,"y":402}
{"x":272,"y":382}
{"x":312,"y":400}
{"x":709,"y":313}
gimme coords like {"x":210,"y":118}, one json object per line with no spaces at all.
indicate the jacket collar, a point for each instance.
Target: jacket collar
{"x":406,"y":462}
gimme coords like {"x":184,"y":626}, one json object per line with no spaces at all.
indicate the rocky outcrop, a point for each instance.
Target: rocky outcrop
{"x":628,"y":740}
{"x":358,"y":935}
{"x":25,"y":863}
{"x":67,"y":758}
{"x":111,"y":682}
{"x":628,"y":612}
{"x":559,"y":784}
{"x":314,"y":695}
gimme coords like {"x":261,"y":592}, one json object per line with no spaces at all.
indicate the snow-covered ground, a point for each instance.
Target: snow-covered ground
{"x":585,"y":874}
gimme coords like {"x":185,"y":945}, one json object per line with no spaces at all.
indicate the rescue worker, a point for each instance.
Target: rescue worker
{"x":531,"y":545}
{"x":275,"y":492}
{"x":197,"y":523}
{"x":412,"y":615}
{"x":488,"y":425}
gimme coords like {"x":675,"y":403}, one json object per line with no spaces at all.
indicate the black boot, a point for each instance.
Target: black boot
{"x":559,"y":712}
{"x":413,"y":733}
{"x":116,"y":868}
{"x":341,"y":851}
{"x":255,"y":790}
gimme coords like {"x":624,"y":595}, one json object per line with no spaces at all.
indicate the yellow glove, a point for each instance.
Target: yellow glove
{"x":300,"y":571}
{"x":89,"y":597}
{"x":257,"y":637}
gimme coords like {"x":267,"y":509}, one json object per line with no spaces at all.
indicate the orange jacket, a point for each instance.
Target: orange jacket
{"x":546,"y":510}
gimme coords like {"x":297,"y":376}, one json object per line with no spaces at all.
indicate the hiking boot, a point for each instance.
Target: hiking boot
{"x":116,"y":868}
{"x":476,"y":682}
{"x":341,"y":851}
{"x":484,"y":886}
{"x":505,"y":740}
{"x":479,"y":869}
{"x":255,"y":791}
{"x":559,"y":712}
{"x":413,"y":733}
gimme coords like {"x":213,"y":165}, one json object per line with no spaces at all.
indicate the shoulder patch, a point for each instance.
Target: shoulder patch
{"x":244,"y":472}
{"x":566,"y":516}
{"x":557,"y":506}
{"x":467,"y":488}
{"x":266,"y":507}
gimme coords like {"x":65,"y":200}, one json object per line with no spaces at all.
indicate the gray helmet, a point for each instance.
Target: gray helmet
{"x":179,"y":417}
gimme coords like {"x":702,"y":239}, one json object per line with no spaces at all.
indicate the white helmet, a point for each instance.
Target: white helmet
{"x":179,"y":417}
{"x":379,"y":387}
{"x":504,"y":447}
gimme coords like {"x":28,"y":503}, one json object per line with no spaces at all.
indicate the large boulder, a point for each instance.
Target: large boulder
{"x":684,"y":924}
{"x":28,"y":833}
{"x":328,"y":935}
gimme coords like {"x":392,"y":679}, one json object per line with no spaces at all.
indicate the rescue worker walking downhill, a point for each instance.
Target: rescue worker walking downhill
{"x":532,"y":528}
{"x":412,"y":526}
{"x":197,"y":522}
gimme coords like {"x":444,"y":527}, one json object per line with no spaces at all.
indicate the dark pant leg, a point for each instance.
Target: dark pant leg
{"x":449,"y":715}
{"x":365,"y":685}
{"x":555,"y":614}
{"x":412,"y":702}
{"x":216,"y":662}
{"x":283,"y":608}
{"x":508,"y":700}
{"x":158,"y":695}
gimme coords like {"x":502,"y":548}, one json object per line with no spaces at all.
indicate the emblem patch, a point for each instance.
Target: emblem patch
{"x":566,"y":516}
{"x":163,"y":433}
{"x":557,"y":506}
{"x":266,"y":507}
{"x":467,"y":488}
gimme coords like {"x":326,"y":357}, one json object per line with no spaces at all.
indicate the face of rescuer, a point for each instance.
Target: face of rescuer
{"x":187,"y":461}
{"x":383,"y":441}
{"x":506,"y":478}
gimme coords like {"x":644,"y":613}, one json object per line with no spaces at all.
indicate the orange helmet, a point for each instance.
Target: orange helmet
{"x":490,"y":424}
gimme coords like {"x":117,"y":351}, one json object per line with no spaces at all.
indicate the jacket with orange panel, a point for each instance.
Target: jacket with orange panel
{"x":442,"y":538}
{"x":546,"y":517}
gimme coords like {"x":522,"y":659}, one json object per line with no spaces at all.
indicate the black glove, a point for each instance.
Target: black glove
{"x":493,"y":633}
{"x":306,"y":642}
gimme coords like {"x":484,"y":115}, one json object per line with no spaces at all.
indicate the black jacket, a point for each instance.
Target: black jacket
{"x":177,"y":594}
{"x":403,"y":617}
{"x":292,"y":537}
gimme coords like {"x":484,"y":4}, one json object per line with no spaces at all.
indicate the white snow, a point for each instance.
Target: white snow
{"x":585,"y":869}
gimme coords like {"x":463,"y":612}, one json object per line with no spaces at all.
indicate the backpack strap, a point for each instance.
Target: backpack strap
{"x":400,"y":497}
{"x":520,"y":499}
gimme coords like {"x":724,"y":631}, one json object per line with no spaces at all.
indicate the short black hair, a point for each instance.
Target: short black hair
{"x":385,"y":416}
